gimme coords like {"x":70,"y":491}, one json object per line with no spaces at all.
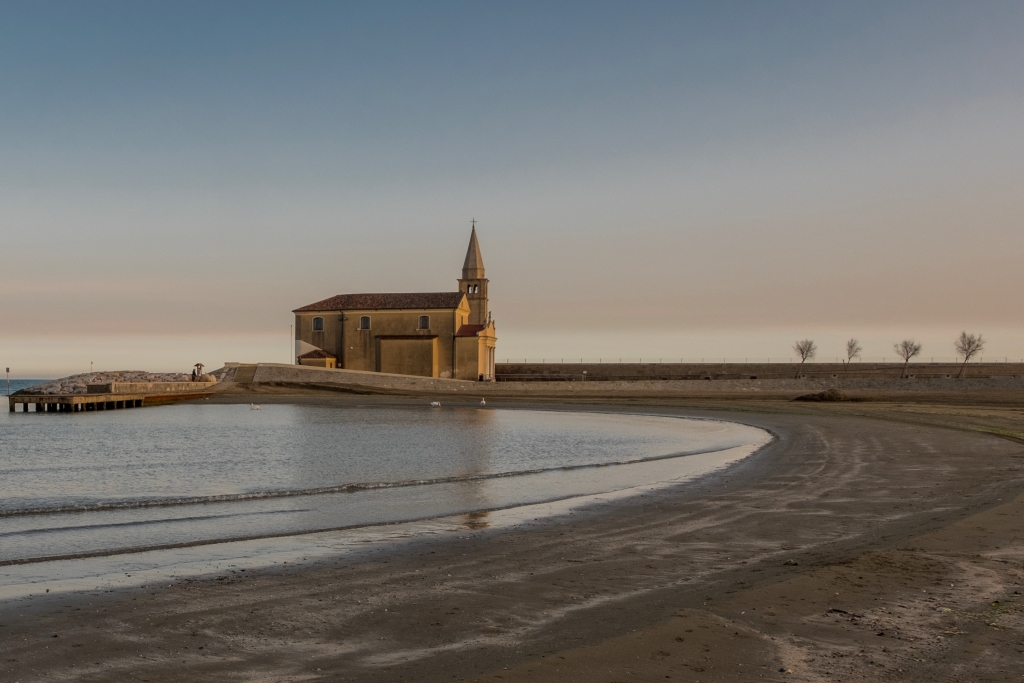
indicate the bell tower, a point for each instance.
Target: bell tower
{"x":473,"y":282}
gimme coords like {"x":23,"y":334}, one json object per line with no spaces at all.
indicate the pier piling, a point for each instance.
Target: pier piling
{"x":90,"y":402}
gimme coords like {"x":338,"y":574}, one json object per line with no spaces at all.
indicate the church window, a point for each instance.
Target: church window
{"x":318,"y":324}
{"x":364,"y":322}
{"x":424,"y":322}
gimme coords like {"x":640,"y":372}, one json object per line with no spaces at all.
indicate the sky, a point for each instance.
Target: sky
{"x":649,"y":179}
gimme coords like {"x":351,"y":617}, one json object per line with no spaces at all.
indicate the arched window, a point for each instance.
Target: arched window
{"x":424,"y":322}
{"x":318,"y":324}
{"x":364,"y":322}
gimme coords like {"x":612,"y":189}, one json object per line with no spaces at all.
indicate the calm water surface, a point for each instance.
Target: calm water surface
{"x":98,"y":483}
{"x":19,"y":384}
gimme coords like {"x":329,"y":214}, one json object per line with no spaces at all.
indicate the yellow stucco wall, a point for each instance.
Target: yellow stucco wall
{"x":408,"y":356}
{"x":474,"y":355}
{"x":466,"y":357}
{"x":318,"y":362}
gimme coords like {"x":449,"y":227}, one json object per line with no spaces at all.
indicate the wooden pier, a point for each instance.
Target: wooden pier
{"x":110,"y":397}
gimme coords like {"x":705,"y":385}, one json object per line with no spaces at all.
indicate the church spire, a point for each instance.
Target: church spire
{"x":474,"y":283}
{"x":473,"y":268}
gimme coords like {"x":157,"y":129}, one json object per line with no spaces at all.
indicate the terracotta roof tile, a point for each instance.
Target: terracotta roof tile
{"x":316,"y":353}
{"x":469,"y":330}
{"x":394,"y":300}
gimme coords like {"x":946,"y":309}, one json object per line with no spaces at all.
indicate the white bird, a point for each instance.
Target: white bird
{"x":253,"y":406}
{"x":436,"y":404}
{"x":483,"y":401}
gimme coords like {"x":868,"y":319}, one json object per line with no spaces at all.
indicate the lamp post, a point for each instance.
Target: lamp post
{"x":8,"y":381}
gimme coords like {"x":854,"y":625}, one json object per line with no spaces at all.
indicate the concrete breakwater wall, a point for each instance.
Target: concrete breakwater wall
{"x":372,"y":382}
{"x":604,"y":372}
{"x":148,"y":387}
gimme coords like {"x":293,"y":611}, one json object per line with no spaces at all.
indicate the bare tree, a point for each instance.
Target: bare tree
{"x":805,"y":349}
{"x":967,"y":346}
{"x":906,"y":350}
{"x":853,"y":350}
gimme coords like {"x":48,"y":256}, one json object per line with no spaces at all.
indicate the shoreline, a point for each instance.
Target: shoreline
{"x":280,"y":379}
{"x":304,"y":544}
{"x":838,"y":486}
{"x":690,"y":447}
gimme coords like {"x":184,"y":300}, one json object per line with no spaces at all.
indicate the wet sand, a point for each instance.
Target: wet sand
{"x":868,"y":542}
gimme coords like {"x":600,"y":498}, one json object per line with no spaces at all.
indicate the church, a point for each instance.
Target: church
{"x":429,"y":334}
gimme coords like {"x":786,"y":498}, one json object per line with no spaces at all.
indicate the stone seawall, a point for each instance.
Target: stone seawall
{"x":148,"y":387}
{"x":380,"y":383}
{"x":717,"y":371}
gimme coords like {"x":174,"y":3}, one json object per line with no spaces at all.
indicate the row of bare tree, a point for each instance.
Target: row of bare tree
{"x":966,"y":345}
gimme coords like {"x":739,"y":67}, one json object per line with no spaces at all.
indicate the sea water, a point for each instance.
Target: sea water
{"x":18,"y":385}
{"x":78,"y":485}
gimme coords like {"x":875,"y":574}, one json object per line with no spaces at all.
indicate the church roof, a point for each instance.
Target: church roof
{"x":386,"y":301}
{"x":470,"y":330}
{"x":316,"y":353}
{"x":473,"y":268}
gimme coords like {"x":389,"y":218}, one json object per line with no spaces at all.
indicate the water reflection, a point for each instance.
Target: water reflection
{"x":476,"y":520}
{"x":475,"y":459}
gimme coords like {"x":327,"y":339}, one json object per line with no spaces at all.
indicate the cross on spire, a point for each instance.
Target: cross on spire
{"x":473,"y":223}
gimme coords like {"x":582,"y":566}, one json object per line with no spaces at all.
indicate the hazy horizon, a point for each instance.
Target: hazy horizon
{"x":649,"y":180}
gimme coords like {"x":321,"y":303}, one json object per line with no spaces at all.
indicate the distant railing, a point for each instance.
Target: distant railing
{"x":503,"y":377}
{"x":707,"y":360}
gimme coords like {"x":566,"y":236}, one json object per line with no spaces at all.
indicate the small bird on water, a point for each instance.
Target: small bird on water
{"x":436,"y":404}
{"x":483,"y":401}
{"x":253,"y":406}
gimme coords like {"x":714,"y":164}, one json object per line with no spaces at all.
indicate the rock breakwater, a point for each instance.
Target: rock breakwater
{"x":77,"y":384}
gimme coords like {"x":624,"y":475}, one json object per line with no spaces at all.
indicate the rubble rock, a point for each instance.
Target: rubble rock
{"x":76,"y":384}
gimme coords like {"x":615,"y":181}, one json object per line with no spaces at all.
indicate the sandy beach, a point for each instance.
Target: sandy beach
{"x":870,"y":541}
{"x":512,"y":342}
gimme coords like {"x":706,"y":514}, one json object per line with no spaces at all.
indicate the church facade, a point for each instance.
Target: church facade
{"x":429,"y":334}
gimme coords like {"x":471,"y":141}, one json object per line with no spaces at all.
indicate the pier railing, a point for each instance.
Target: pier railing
{"x":584,"y":370}
{"x":780,"y":360}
